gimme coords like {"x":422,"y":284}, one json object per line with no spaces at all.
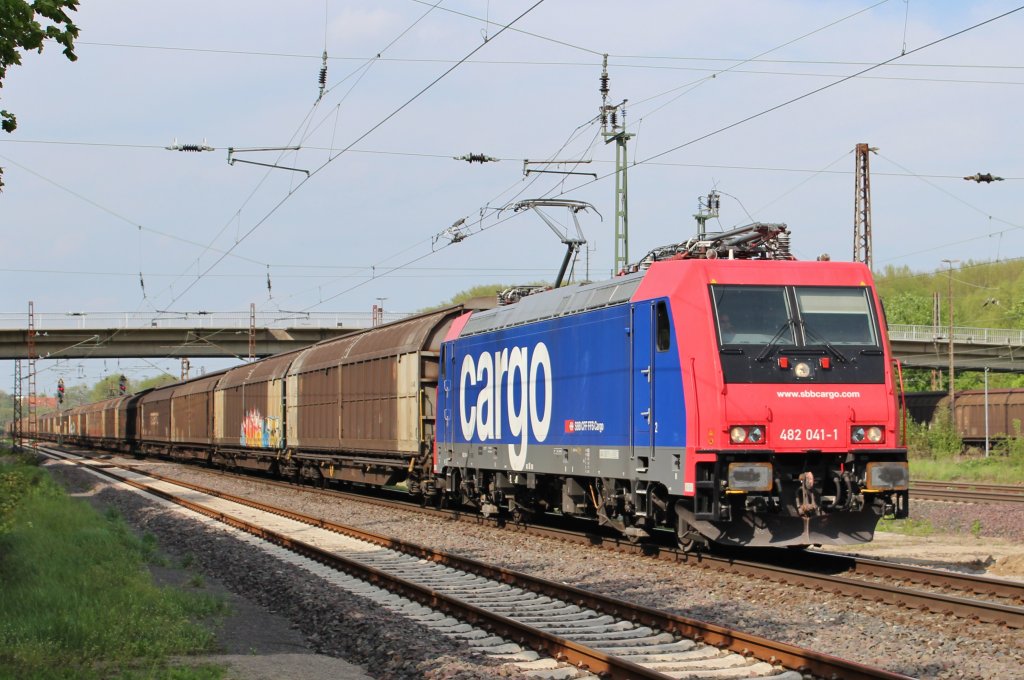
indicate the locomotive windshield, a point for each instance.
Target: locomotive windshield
{"x":763,"y":329}
{"x":801,"y":316}
{"x":753,"y":315}
{"x":840,"y":316}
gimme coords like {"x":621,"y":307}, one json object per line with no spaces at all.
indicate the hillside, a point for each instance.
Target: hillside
{"x":985,"y":295}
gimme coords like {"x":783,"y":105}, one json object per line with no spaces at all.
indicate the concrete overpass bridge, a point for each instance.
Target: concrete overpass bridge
{"x":110,"y":335}
{"x":113,"y":335}
{"x":974,"y":349}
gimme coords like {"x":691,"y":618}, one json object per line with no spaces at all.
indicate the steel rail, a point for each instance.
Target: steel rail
{"x":790,"y":656}
{"x":770,"y":569}
{"x":981,"y":585}
{"x":585,"y":658}
{"x":966,"y":492}
{"x":823,"y":561}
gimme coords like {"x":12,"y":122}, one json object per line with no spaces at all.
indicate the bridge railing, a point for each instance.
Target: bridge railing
{"x":126,"y":320}
{"x":1001,"y":337}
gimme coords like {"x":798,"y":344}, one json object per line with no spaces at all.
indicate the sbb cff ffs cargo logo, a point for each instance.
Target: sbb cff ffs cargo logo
{"x":514,"y":393}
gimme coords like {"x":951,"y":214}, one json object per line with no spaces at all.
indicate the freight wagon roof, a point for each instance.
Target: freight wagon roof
{"x":554,"y":303}
{"x":197,"y":385}
{"x":271,"y":368}
{"x":113,"y":402}
{"x":400,"y":337}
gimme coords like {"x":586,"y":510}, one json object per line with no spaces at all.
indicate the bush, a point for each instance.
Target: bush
{"x":937,"y":440}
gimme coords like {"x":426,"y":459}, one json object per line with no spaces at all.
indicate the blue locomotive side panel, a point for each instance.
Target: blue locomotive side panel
{"x":555,"y":396}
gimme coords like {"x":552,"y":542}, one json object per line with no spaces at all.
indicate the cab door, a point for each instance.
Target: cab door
{"x":642,"y":385}
{"x":445,"y":435}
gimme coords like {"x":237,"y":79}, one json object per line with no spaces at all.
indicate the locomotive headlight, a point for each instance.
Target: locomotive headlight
{"x":872,"y":433}
{"x":746,"y":434}
{"x":802,"y":370}
{"x":750,"y":477}
{"x":887,"y":476}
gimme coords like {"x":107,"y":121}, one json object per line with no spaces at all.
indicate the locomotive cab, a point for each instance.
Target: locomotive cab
{"x":808,"y":451}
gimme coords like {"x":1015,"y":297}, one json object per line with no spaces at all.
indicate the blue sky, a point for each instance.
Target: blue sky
{"x":93,"y":199}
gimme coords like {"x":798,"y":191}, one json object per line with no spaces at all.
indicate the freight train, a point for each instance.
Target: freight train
{"x":718,"y":389}
{"x":1005,"y":412}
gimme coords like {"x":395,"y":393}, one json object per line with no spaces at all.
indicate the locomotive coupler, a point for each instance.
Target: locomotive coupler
{"x":807,"y":506}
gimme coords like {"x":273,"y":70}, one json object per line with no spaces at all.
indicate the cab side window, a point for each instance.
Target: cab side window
{"x":662,"y":328}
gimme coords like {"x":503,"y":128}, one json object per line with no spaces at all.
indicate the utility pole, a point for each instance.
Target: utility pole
{"x":613,"y":132}
{"x":986,"y":413}
{"x":862,"y":205}
{"x":252,"y":331}
{"x":949,"y":294}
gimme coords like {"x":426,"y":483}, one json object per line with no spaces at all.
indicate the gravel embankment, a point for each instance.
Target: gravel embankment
{"x":334,"y":622}
{"x":907,"y":641}
{"x":991,"y":520}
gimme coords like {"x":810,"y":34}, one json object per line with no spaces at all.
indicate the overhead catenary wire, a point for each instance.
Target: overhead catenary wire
{"x":689,"y":87}
{"x":118,"y":215}
{"x":304,"y":125}
{"x":506,"y":158}
{"x":818,"y":90}
{"x":360,"y":138}
{"x":651,"y":163}
{"x":535,"y":62}
{"x":732,"y":125}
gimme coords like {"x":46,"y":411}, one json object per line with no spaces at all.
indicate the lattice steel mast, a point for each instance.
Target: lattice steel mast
{"x":862,"y":205}
{"x":613,"y":132}
{"x":33,"y":426}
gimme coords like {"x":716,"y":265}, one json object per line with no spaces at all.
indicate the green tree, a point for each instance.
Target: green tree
{"x":20,"y":29}
{"x":150,"y":383}
{"x":484,"y":290}
{"x":908,"y":307}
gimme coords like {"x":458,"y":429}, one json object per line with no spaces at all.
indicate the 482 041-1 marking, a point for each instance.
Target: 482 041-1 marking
{"x":809,"y":434}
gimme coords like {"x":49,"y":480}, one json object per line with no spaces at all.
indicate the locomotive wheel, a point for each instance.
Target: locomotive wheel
{"x":689,"y":539}
{"x":520,"y":516}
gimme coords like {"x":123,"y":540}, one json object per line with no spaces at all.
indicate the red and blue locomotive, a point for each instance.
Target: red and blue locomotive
{"x":722,"y":390}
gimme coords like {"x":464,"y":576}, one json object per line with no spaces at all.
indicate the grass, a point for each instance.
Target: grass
{"x":77,"y":600}
{"x":907,"y":527}
{"x":998,"y":468}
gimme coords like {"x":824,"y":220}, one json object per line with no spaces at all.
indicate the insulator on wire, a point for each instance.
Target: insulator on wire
{"x":604,"y":83}
{"x":476,"y":158}
{"x":175,"y":146}
{"x":323,"y":76}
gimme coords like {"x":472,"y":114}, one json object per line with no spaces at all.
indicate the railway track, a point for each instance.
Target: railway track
{"x":967,"y":492}
{"x":976,"y":597}
{"x":601,"y":635}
